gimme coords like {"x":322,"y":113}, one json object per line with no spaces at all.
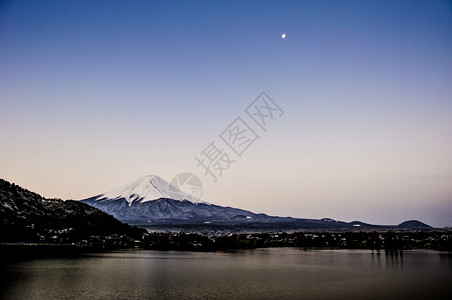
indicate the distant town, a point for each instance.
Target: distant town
{"x":373,"y":240}
{"x":387,"y":240}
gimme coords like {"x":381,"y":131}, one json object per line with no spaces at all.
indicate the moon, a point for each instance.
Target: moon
{"x":283,"y":35}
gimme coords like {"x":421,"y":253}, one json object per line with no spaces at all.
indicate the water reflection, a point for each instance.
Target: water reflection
{"x":251,"y":274}
{"x":446,"y":259}
{"x":376,"y":257}
{"x":394,"y":259}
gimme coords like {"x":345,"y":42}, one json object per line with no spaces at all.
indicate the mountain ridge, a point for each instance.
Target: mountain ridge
{"x":27,"y":216}
{"x":165,"y":210}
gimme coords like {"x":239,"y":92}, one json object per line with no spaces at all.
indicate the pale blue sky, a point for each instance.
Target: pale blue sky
{"x":95,"y":94}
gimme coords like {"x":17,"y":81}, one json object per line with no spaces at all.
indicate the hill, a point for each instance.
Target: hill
{"x":27,"y":216}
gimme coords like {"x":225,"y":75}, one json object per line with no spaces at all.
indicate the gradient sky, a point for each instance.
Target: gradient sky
{"x":95,"y":94}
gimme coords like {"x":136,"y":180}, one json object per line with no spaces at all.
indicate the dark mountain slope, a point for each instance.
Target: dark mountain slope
{"x":27,"y":216}
{"x":414,"y":224}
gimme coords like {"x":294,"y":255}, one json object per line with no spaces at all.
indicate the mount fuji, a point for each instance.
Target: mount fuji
{"x":150,"y":201}
{"x":147,"y":188}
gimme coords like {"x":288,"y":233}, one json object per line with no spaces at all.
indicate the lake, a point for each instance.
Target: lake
{"x":269,"y":273}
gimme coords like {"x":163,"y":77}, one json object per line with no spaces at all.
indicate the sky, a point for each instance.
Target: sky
{"x":95,"y":94}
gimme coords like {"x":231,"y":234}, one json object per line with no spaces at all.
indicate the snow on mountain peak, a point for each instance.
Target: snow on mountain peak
{"x":146,"y":188}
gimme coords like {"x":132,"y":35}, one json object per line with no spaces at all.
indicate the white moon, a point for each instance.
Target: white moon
{"x":283,"y":35}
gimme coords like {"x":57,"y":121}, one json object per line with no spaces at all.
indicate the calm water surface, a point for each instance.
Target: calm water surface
{"x":274,"y":273}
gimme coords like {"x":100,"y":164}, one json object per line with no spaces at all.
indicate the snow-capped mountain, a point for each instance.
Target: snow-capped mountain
{"x":146,"y":188}
{"x":151,"y":200}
